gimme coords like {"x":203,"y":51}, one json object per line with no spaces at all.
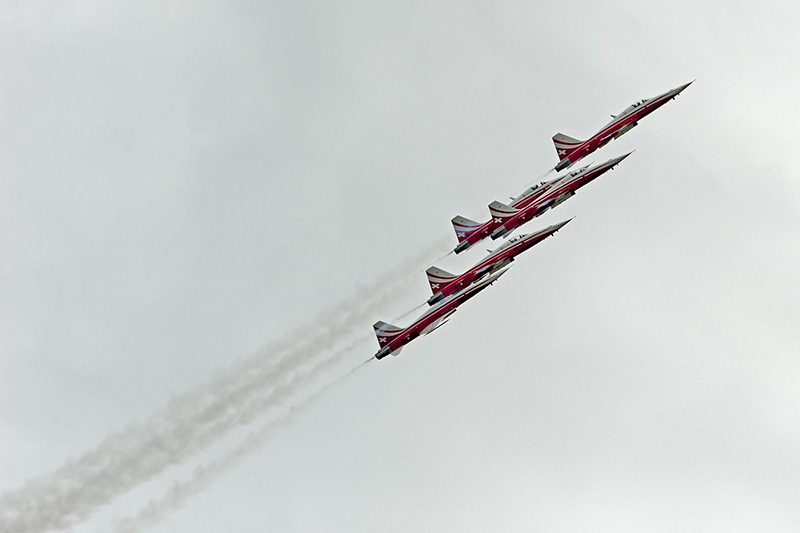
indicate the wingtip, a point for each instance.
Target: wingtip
{"x":502,"y":272}
{"x":563,"y":223}
{"x":621,"y":158}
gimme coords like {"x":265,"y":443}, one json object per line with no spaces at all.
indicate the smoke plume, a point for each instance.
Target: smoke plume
{"x":192,"y":421}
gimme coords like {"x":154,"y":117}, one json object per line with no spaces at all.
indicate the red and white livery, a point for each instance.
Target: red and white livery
{"x":443,"y":283}
{"x":571,"y":150}
{"x":533,"y":200}
{"x":392,"y":339}
{"x":558,"y":191}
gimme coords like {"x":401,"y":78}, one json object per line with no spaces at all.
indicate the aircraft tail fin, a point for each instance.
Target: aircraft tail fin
{"x":385,"y":332}
{"x":464,"y":227}
{"x":438,"y":277}
{"x":565,"y":144}
{"x":502,"y":211}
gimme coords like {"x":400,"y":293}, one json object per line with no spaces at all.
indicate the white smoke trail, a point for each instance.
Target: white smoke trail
{"x":156,"y":510}
{"x":417,"y":308}
{"x":445,"y":256}
{"x":187,"y":424}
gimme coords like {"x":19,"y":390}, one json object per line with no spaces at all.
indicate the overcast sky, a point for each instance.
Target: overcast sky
{"x":182,"y":184}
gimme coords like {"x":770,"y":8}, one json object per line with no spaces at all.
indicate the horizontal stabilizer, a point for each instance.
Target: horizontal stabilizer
{"x":438,"y":323}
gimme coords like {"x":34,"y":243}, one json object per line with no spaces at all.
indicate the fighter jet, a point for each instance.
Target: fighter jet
{"x":571,"y":150}
{"x":443,"y":283}
{"x":392,"y":339}
{"x":561,"y":190}
{"x":543,"y":196}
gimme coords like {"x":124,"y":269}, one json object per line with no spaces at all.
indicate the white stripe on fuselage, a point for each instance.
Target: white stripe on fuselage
{"x":608,"y":128}
{"x":564,"y":186}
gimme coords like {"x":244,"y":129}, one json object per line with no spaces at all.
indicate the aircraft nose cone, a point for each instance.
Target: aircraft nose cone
{"x":682,"y":87}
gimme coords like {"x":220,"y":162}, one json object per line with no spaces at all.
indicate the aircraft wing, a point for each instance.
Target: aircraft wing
{"x":439,"y":322}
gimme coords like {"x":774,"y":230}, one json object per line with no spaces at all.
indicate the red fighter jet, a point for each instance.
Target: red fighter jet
{"x":572,"y":150}
{"x":392,"y":339}
{"x":560,"y":190}
{"x":543,"y":196}
{"x":443,"y":283}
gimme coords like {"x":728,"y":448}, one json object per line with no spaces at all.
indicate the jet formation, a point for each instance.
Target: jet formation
{"x":452,"y":290}
{"x":443,"y":283}
{"x":533,"y":202}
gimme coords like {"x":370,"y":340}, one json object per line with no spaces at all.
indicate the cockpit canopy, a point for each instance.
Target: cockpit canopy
{"x":637,"y":104}
{"x":577,"y":171}
{"x":632,"y":107}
